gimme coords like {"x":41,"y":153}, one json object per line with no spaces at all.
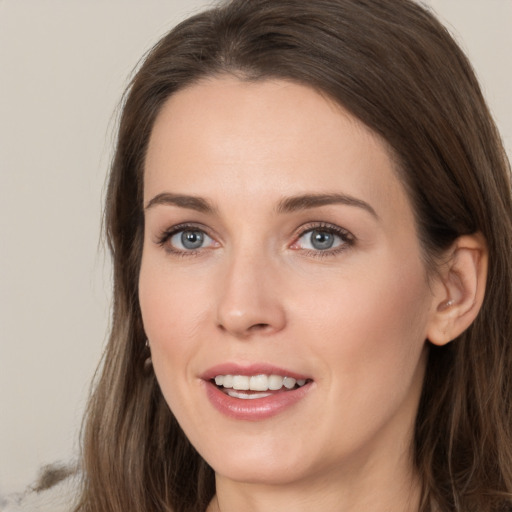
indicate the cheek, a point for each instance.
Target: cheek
{"x":167,"y":302}
{"x":176,"y":307}
{"x":168,"y":309}
{"x":371,"y":323}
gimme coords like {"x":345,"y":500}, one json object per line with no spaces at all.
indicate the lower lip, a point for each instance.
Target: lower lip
{"x":254,"y":409}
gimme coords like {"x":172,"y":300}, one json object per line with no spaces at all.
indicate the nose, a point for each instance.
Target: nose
{"x":249,"y":300}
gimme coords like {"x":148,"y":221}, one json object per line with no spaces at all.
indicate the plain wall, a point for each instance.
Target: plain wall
{"x":63,"y":67}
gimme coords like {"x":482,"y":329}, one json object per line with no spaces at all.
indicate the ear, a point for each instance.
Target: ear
{"x":459,"y":289}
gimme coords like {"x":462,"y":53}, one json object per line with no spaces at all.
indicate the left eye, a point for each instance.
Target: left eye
{"x":320,"y":240}
{"x":190,"y":239}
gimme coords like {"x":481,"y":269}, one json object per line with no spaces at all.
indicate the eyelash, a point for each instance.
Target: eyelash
{"x":164,"y":237}
{"x":347,"y":239}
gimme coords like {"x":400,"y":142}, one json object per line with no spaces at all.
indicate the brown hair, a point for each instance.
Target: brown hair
{"x":392,"y":65}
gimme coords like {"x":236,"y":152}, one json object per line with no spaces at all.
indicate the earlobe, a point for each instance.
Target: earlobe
{"x":460,"y":289}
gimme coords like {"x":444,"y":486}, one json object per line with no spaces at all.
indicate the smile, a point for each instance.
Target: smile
{"x":250,"y":387}
{"x":256,"y":391}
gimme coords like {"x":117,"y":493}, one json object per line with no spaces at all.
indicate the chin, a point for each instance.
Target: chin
{"x":260,"y":461}
{"x":259,"y":473}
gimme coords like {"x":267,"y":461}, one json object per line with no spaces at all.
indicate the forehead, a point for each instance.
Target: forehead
{"x":263,"y":139}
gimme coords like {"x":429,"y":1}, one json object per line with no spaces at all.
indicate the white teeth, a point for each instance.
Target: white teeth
{"x":257,"y":383}
{"x":289,"y":382}
{"x":275,"y":382}
{"x":241,"y":382}
{"x":247,"y":396}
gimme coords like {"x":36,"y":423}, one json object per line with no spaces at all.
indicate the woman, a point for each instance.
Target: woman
{"x":309,"y":215}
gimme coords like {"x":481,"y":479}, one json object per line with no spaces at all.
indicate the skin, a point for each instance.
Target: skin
{"x":354,"y":318}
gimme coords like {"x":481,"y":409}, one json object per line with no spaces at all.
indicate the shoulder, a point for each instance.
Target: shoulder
{"x":59,"y":498}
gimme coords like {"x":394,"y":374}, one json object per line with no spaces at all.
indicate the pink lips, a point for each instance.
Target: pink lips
{"x":259,"y":408}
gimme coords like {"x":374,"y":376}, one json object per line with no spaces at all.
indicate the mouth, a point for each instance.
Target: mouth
{"x":250,"y":387}
{"x":255,"y":392}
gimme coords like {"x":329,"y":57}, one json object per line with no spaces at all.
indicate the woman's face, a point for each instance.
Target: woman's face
{"x":280,"y":243}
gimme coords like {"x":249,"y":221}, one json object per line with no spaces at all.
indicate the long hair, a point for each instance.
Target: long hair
{"x":396,"y":68}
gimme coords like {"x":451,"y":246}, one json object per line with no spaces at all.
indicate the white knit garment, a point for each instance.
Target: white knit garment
{"x":57,"y":499}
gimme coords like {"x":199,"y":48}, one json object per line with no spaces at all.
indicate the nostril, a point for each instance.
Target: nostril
{"x":262,"y":318}
{"x":259,"y":327}
{"x":252,"y":329}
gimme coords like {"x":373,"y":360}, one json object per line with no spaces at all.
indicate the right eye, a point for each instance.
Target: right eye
{"x":186,"y":240}
{"x":189,"y":240}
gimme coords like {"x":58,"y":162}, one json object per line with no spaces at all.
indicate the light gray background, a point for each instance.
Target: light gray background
{"x":63,"y":67}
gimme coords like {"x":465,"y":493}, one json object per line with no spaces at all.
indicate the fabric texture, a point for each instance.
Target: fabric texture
{"x":58,"y":498}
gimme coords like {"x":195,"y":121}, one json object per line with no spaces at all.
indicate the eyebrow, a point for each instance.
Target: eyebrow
{"x":183,"y":201}
{"x":307,"y":201}
{"x":286,"y":205}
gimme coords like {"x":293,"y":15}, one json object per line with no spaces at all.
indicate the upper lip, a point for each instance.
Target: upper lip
{"x":250,"y":369}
